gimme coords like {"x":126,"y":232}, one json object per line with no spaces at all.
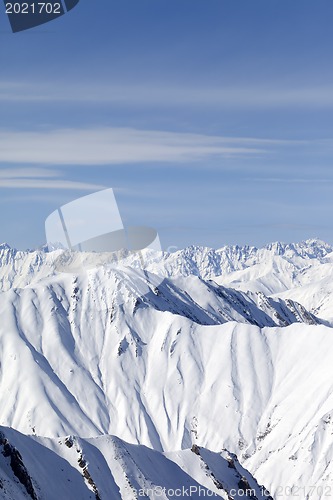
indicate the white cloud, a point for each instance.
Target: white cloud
{"x":270,"y":95}
{"x":45,"y":184}
{"x":287,"y":180}
{"x":26,"y":173}
{"x":105,"y":146}
{"x":39,"y":178}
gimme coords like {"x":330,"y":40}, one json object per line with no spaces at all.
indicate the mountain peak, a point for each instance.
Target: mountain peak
{"x":310,"y":248}
{"x":316,"y":242}
{"x":5,"y":246}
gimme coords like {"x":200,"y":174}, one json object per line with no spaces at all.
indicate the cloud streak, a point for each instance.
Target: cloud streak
{"x":251,"y":96}
{"x":107,"y":146}
{"x":47,"y":184}
{"x":38,"y":178}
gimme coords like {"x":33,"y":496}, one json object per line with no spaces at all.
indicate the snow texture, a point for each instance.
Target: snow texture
{"x":203,"y":357}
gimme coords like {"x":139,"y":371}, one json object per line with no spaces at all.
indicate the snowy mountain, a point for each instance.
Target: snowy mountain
{"x":170,"y":358}
{"x":107,"y":467}
{"x":19,"y":267}
{"x":304,"y":276}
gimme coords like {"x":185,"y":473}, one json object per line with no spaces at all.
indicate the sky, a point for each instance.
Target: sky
{"x":210,"y":119}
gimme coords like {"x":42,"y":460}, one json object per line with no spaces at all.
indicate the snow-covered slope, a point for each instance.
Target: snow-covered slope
{"x":93,"y":357}
{"x":303,"y":278}
{"x":317,"y":296}
{"x":299,"y":272}
{"x":18,"y":268}
{"x":106,"y":467}
{"x":170,"y":361}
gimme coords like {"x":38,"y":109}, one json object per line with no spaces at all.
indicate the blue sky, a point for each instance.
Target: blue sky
{"x":212,"y":120}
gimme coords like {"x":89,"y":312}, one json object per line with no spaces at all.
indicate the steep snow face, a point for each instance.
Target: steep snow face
{"x":214,"y":350}
{"x":300,"y":272}
{"x":106,"y":467}
{"x":308,"y":281}
{"x":88,"y":356}
{"x":317,"y":297}
{"x":17,"y":269}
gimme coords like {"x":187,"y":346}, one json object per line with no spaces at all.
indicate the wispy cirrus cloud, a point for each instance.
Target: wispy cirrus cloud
{"x":106,"y":146}
{"x":269,"y":95}
{"x":27,"y":173}
{"x":38,"y":178}
{"x":291,"y":180}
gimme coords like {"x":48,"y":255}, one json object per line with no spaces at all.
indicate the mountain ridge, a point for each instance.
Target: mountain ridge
{"x":108,"y":467}
{"x":73,"y":366}
{"x":19,"y":268}
{"x":173,"y":357}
